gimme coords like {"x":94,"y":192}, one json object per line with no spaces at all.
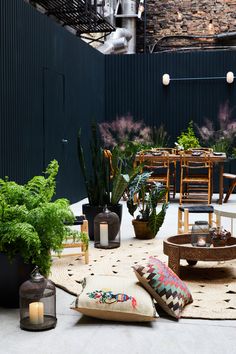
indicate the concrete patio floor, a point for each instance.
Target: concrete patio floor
{"x":75,"y":333}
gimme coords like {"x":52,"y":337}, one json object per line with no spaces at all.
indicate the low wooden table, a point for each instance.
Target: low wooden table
{"x":179,"y":247}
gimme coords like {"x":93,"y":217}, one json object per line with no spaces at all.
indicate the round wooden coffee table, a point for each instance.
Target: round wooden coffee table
{"x":179,"y":247}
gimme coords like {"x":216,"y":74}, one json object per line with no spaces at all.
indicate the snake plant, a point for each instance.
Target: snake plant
{"x":102,"y":172}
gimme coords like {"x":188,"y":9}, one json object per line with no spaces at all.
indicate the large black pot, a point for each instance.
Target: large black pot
{"x":12,"y":275}
{"x":91,"y":211}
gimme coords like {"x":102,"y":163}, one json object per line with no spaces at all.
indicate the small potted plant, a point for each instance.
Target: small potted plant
{"x":219,"y":236}
{"x":188,"y":139}
{"x":31,"y":226}
{"x":144,"y":198}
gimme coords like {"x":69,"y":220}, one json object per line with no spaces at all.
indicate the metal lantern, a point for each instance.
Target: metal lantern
{"x":200,"y":236}
{"x":107,"y":230}
{"x":37,"y":303}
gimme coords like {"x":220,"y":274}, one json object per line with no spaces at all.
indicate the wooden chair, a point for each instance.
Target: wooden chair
{"x":232,"y":185}
{"x":173,"y":164}
{"x":84,"y":252}
{"x":195,"y":178}
{"x":160,"y":168}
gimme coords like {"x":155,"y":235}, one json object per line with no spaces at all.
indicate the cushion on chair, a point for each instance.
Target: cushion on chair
{"x":115,"y":298}
{"x":170,"y":292}
{"x":198,"y":209}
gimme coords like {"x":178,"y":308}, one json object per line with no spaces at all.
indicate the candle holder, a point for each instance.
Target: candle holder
{"x":107,"y":230}
{"x":37,"y":303}
{"x":200,"y":236}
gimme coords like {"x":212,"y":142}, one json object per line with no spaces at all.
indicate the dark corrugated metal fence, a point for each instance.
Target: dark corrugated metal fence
{"x":52,"y":83}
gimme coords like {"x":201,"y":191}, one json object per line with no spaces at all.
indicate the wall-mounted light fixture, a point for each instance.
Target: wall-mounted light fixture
{"x":229,"y":78}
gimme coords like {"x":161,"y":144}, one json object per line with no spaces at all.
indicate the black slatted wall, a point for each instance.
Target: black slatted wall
{"x":51,"y":84}
{"x":134,"y":86}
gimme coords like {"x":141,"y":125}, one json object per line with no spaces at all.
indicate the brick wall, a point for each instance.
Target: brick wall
{"x":185,"y":17}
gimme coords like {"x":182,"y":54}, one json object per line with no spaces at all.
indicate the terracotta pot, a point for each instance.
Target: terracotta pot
{"x":142,"y":230}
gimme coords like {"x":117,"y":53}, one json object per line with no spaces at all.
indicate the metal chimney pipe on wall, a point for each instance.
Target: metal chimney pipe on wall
{"x":126,"y":10}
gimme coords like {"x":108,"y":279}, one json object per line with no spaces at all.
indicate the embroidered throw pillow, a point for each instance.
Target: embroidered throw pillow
{"x":115,"y":298}
{"x":170,"y":292}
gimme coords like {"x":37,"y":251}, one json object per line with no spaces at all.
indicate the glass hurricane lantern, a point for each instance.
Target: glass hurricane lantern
{"x":107,"y":230}
{"x":200,"y":236}
{"x":37,"y":303}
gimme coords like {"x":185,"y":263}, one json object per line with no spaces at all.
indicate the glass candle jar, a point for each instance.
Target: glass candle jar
{"x":200,"y":234}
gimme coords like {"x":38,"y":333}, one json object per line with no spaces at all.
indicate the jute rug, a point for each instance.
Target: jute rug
{"x":212,"y":284}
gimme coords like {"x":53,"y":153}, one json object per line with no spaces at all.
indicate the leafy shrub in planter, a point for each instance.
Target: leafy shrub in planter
{"x":188,"y":139}
{"x":31,"y":224}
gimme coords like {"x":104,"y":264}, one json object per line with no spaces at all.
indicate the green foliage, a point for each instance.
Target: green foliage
{"x":234,"y":153}
{"x":103,"y":172}
{"x":79,"y":236}
{"x":222,"y":145}
{"x":160,"y":137}
{"x":144,"y":198}
{"x":188,"y":139}
{"x":30,"y":223}
{"x":221,"y":135}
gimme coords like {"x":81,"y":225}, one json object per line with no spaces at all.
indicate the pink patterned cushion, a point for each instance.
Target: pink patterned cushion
{"x":170,"y":292}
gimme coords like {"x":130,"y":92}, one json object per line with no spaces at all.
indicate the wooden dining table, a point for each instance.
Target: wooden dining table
{"x":215,"y":158}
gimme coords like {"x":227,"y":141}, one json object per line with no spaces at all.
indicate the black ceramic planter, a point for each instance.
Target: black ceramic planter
{"x":91,"y":211}
{"x":12,"y":275}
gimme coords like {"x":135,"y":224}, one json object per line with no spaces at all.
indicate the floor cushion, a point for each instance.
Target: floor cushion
{"x":115,"y":298}
{"x":170,"y":292}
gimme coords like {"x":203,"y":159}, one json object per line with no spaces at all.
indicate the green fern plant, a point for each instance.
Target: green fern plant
{"x":144,"y":199}
{"x":30,"y":223}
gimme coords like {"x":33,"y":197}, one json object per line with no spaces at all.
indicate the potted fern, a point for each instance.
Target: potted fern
{"x":104,"y":179}
{"x":144,"y":198}
{"x":31,"y":225}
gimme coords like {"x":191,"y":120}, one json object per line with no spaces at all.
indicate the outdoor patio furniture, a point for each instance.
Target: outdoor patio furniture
{"x":222,"y":212}
{"x":173,"y":166}
{"x":232,"y":185}
{"x":160,"y":169}
{"x":83,"y":223}
{"x":180,"y":247}
{"x":195,"y":177}
{"x":184,"y":226}
{"x":216,"y":159}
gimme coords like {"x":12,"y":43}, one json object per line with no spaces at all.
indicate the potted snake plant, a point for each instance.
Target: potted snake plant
{"x":143,"y":200}
{"x":103,"y":176}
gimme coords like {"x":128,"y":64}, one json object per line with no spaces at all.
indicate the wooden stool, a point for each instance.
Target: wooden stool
{"x":80,"y":220}
{"x":231,"y":186}
{"x":184,"y":226}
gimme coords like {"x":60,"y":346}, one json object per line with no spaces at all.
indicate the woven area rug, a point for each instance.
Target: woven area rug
{"x":212,"y":284}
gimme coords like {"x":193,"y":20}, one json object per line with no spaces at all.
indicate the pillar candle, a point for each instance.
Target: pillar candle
{"x":36,"y":312}
{"x":201,"y":241}
{"x":104,"y":234}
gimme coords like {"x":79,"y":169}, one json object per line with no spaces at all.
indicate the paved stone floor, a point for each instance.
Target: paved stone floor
{"x":75,"y":334}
